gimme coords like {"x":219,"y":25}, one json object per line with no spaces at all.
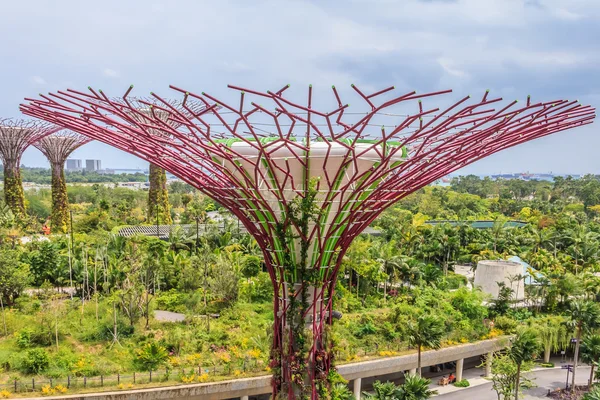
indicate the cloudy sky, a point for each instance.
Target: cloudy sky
{"x":547,"y":48}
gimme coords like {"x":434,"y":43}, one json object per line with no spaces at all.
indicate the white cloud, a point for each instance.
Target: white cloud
{"x":450,"y":67}
{"x":111,"y":73}
{"x":566,"y":14}
{"x":37,"y":80}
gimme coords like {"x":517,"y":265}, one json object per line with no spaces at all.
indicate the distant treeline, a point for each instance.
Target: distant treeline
{"x":42,"y":176}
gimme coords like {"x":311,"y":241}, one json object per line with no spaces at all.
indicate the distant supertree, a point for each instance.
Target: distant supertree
{"x":15,"y":136}
{"x":57,"y":148}
{"x":143,"y":111}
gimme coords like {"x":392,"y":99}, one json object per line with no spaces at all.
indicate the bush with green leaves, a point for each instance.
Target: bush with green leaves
{"x":151,"y":356}
{"x":462,"y":383}
{"x":35,"y":361}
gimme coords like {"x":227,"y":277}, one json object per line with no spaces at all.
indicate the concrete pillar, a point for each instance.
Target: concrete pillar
{"x":412,"y":371}
{"x":357,"y":386}
{"x":459,"y":369}
{"x":488,"y":364}
{"x":244,"y":398}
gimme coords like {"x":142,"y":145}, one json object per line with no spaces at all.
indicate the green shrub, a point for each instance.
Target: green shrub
{"x":368,"y":328}
{"x":23,"y":338}
{"x":463,"y":383}
{"x":171,"y":300}
{"x":547,"y":365}
{"x":35,"y":361}
{"x":258,"y":289}
{"x":505,"y":324}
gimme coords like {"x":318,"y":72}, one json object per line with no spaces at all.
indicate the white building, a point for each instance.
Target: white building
{"x":93,"y":165}
{"x":490,"y":272}
{"x":73,"y":165}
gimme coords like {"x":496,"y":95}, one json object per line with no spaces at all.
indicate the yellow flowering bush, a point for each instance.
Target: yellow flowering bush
{"x":4,"y":394}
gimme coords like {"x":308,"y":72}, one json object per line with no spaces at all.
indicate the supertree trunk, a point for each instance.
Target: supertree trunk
{"x":59,"y":218}
{"x":57,"y":147}
{"x":302,"y":353}
{"x":158,"y":197}
{"x":306,"y":182}
{"x":13,"y":189}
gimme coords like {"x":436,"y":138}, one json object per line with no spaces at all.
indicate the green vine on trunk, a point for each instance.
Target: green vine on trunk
{"x":59,"y":219}
{"x":301,"y":212}
{"x":13,"y":190}
{"x":158,"y":197}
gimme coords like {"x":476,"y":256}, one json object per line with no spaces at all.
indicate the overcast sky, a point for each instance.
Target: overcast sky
{"x":547,"y":48}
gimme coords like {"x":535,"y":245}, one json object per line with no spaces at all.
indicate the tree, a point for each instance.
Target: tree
{"x":584,"y":316}
{"x":14,"y":276}
{"x":252,"y":265}
{"x":553,"y":335}
{"x":504,"y":375}
{"x":524,"y":348}
{"x":151,"y":356}
{"x":501,"y":304}
{"x":383,"y":391}
{"x":590,"y":354}
{"x":415,"y":388}
{"x":426,"y":331}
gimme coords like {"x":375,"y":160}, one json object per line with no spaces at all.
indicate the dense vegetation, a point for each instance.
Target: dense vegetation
{"x":43,"y":176}
{"x":396,"y":291}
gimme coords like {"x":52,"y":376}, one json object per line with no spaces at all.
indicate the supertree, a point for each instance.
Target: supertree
{"x":305,"y":182}
{"x":142,"y":112}
{"x":57,"y":147}
{"x":15,"y":136}
{"x":158,"y":195}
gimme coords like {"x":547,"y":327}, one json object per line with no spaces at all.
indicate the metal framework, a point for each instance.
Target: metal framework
{"x":306,"y":182}
{"x":57,"y":147}
{"x":15,"y":136}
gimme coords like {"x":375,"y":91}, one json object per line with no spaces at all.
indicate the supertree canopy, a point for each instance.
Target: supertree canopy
{"x":306,"y":182}
{"x":15,"y":136}
{"x":57,"y":147}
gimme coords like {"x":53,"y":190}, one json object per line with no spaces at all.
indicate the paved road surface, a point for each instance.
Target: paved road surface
{"x":168,"y":316}
{"x":545,"y":379}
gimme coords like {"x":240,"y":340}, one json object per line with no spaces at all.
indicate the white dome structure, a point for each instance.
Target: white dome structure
{"x":490,"y":272}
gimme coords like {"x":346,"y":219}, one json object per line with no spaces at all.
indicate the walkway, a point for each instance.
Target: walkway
{"x":481,"y":389}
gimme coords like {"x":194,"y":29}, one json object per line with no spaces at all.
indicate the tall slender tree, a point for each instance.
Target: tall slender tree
{"x":585,"y":315}
{"x":590,"y":354}
{"x":524,"y":348}
{"x":16,"y":135}
{"x":57,"y":147}
{"x":426,"y":331}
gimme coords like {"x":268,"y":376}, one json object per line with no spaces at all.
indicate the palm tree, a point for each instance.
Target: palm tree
{"x":553,"y":335}
{"x":415,"y":388}
{"x":524,"y":348}
{"x":585,"y":315}
{"x":387,"y":256}
{"x":426,"y":331}
{"x":383,"y":391}
{"x":590,"y":353}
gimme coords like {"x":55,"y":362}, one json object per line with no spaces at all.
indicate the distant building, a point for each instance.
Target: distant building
{"x":73,"y":165}
{"x":93,"y":165}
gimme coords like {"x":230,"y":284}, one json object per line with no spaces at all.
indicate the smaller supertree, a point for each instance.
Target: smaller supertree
{"x":15,"y":136}
{"x":143,"y":111}
{"x":57,"y":148}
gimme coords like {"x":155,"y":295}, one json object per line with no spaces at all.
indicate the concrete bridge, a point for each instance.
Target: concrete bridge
{"x":360,"y":374}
